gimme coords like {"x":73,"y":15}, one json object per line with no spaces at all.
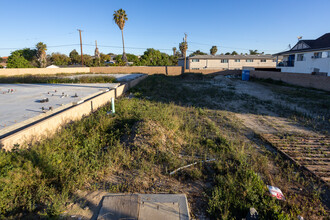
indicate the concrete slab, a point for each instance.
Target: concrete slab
{"x":159,"y":211}
{"x":20,"y":102}
{"x":144,"y":206}
{"x":119,"y":207}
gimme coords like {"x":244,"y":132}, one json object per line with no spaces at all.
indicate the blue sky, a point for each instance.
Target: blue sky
{"x":265,"y":25}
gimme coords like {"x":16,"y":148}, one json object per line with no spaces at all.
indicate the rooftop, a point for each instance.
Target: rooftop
{"x":259,"y":56}
{"x":321,"y":43}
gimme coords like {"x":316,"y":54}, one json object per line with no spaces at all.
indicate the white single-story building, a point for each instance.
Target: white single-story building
{"x":228,"y":62}
{"x":307,"y":56}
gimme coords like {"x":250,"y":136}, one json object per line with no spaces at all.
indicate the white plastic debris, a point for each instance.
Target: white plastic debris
{"x":189,"y":165}
{"x":276,"y":192}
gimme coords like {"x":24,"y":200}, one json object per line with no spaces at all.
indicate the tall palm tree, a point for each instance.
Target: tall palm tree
{"x":213,"y":50}
{"x":41,"y":54}
{"x":183,"y":46}
{"x":174,"y":50}
{"x":120,"y":17}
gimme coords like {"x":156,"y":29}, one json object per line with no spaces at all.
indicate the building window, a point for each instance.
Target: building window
{"x":249,"y":60}
{"x":237,"y":60}
{"x":263,"y":60}
{"x":300,"y":57}
{"x":195,"y":68}
{"x":195,"y":60}
{"x":224,"y":61}
{"x":317,"y":55}
{"x":325,"y":54}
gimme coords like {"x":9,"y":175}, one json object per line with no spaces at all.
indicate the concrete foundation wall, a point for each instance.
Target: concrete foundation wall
{"x":312,"y":81}
{"x":35,"y":71}
{"x":167,"y":70}
{"x":49,"y":126}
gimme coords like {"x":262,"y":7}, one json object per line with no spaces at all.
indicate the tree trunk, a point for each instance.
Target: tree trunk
{"x":124,"y":58}
{"x":184,"y":65}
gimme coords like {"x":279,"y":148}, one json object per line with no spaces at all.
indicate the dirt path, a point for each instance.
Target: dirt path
{"x":267,"y":120}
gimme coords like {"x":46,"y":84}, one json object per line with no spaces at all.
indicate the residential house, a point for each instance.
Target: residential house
{"x":307,"y":56}
{"x":228,"y":62}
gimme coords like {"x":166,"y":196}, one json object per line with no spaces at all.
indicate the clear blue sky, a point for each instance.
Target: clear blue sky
{"x":265,"y":25}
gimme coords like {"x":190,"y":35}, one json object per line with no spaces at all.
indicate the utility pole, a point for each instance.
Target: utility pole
{"x":185,"y":56}
{"x":82,"y":57}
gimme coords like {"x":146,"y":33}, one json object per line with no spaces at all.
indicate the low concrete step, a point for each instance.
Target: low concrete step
{"x":144,"y":206}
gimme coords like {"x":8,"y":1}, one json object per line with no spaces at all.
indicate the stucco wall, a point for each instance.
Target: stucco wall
{"x":231,"y":65}
{"x":308,"y":64}
{"x":312,"y":81}
{"x":22,"y":71}
{"x":167,"y":70}
{"x":49,"y":126}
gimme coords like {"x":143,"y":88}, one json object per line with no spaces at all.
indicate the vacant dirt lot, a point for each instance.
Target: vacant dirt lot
{"x":169,"y":122}
{"x":244,"y":111}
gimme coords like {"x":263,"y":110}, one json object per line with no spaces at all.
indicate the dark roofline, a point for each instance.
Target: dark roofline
{"x":300,"y":51}
{"x":321,"y":43}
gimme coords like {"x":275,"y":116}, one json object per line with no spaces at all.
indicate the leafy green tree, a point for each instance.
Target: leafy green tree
{"x":227,"y":53}
{"x":60,"y":59}
{"x":120,"y":18}
{"x":234,"y":53}
{"x":95,"y":62}
{"x":74,"y":56}
{"x":255,"y":52}
{"x":197,"y":52}
{"x":88,"y":60}
{"x":183,"y":46}
{"x":41,"y":54}
{"x":130,"y":58}
{"x":105,"y":57}
{"x":17,"y":60}
{"x":213,"y":50}
{"x":174,"y":60}
{"x":174,"y":51}
{"x":152,"y":57}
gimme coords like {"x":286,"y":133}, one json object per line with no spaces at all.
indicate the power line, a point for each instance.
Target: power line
{"x":237,"y":48}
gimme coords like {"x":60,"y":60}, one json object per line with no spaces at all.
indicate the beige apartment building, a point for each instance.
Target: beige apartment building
{"x":228,"y":62}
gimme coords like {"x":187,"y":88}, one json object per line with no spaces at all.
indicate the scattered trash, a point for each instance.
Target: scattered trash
{"x":300,"y":217}
{"x":44,"y":100}
{"x":276,"y":192}
{"x":252,"y":215}
{"x":189,"y":165}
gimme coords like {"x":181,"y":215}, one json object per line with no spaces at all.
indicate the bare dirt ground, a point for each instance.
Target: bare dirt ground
{"x":267,"y":120}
